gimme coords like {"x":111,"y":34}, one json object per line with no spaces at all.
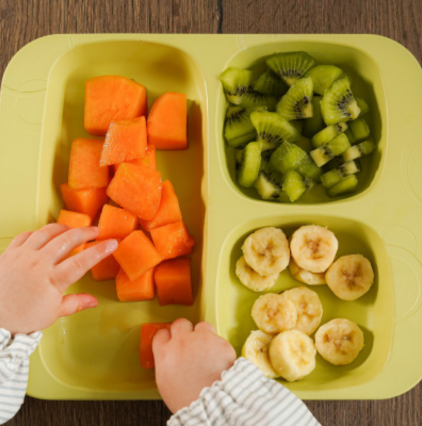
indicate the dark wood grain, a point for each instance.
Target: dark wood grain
{"x":24,"y":20}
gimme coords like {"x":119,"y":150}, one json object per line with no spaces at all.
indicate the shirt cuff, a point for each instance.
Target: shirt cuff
{"x":15,"y":350}
{"x":244,"y":396}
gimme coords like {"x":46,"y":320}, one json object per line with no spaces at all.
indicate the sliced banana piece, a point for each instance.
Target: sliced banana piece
{"x":308,"y":306}
{"x":273,"y":313}
{"x":313,"y":248}
{"x":292,"y":355}
{"x":339,"y":341}
{"x":307,"y":277}
{"x":267,"y":251}
{"x":256,"y":349}
{"x":350,"y":277}
{"x":252,"y":280}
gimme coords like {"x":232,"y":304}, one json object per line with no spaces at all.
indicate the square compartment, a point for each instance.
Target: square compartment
{"x":373,"y":312}
{"x":367,"y":82}
{"x":98,"y":350}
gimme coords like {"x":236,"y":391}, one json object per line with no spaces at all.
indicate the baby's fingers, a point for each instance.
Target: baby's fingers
{"x":204,"y":326}
{"x":73,"y":303}
{"x":75,"y":267}
{"x":45,"y":234}
{"x":60,"y":247}
{"x":20,"y":239}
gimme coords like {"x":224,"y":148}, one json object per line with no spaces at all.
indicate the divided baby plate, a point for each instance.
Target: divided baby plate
{"x":94,"y":354}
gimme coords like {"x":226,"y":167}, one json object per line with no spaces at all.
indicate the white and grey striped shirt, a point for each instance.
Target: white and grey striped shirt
{"x":14,"y":367}
{"x":243,"y":396}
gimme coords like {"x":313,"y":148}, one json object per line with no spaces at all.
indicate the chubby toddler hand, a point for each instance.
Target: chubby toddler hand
{"x":188,"y":359}
{"x":35,"y":271}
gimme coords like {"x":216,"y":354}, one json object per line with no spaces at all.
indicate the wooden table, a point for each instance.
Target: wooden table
{"x":24,"y":20}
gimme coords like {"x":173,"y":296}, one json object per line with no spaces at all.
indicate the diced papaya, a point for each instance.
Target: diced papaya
{"x":167,"y":122}
{"x":148,"y":331}
{"x":137,"y":189}
{"x":150,"y":159}
{"x":84,"y":168}
{"x":172,"y":240}
{"x":107,"y":269}
{"x":125,"y":140}
{"x":137,"y":290}
{"x":109,"y":98}
{"x":116,"y":223}
{"x":88,"y":201}
{"x":169,"y":210}
{"x":74,"y":220}
{"x":136,"y":255}
{"x":173,"y":281}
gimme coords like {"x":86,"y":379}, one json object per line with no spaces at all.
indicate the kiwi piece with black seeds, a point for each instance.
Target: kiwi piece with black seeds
{"x":297,"y":102}
{"x":290,"y":66}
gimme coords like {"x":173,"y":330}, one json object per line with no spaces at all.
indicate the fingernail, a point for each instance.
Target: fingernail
{"x":95,"y":228}
{"x":92,"y":304}
{"x":111,"y":245}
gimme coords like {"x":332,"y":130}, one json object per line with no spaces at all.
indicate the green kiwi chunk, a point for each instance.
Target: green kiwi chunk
{"x":286,"y":157}
{"x":325,"y":153}
{"x":295,"y":185}
{"x":236,"y":82}
{"x":363,"y":106}
{"x":268,"y":184}
{"x":338,"y":103}
{"x":290,"y":66}
{"x":359,"y":150}
{"x":297,"y":102}
{"x":309,"y":169}
{"x":253,"y":99}
{"x":346,"y":185}
{"x":251,"y":162}
{"x":336,"y":175}
{"x":314,"y":124}
{"x":238,"y":129}
{"x":272,"y":129}
{"x":269,"y":83}
{"x":359,"y":129}
{"x":323,"y":76}
{"x":350,"y":168}
{"x":330,"y":132}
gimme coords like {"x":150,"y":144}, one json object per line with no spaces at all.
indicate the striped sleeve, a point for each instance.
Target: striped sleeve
{"x":14,"y":367}
{"x":245,"y":397}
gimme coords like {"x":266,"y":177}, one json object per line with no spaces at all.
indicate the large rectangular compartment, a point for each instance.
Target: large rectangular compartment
{"x":99,"y":349}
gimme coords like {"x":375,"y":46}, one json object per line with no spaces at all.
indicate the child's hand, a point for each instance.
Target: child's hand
{"x":34,"y":273}
{"x":188,"y":359}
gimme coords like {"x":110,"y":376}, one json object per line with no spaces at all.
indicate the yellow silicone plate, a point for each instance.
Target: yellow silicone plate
{"x":94,"y":355}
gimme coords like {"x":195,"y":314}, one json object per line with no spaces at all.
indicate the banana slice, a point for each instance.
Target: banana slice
{"x":350,"y":277}
{"x":308,"y":306}
{"x":250,"y":279}
{"x":267,"y":251}
{"x":273,"y":313}
{"x":313,"y":248}
{"x":292,"y":355}
{"x":256,"y":349}
{"x":307,"y":277}
{"x":339,"y":341}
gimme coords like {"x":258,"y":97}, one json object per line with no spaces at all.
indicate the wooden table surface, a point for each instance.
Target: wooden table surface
{"x":24,"y":20}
